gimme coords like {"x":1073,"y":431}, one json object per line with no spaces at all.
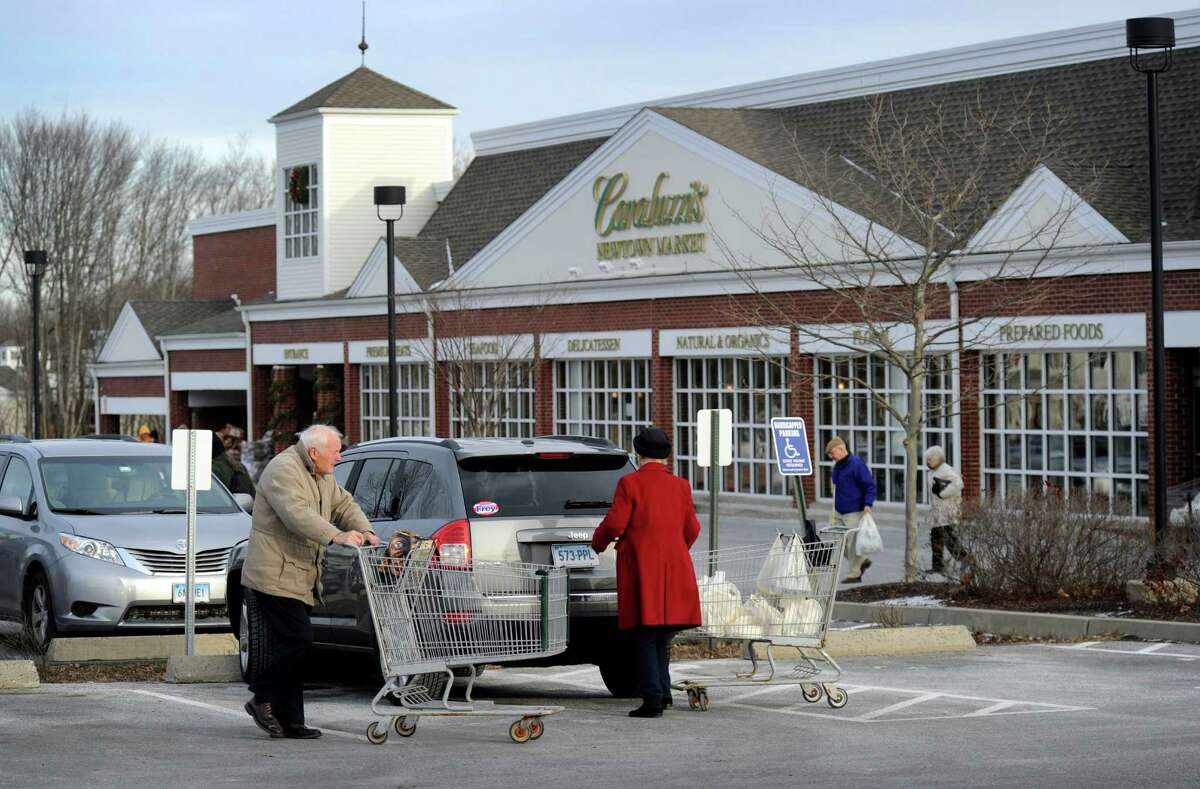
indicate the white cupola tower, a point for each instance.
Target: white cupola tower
{"x":331,"y":149}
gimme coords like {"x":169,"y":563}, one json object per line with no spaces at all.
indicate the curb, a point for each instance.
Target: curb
{"x":203,"y":668}
{"x":1064,"y":627}
{"x":18,"y":675}
{"x":893,"y":642}
{"x":106,"y":648}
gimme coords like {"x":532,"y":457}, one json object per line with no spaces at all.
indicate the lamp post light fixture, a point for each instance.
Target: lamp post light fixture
{"x":1151,"y":41}
{"x":35,"y":268}
{"x":391,"y":197}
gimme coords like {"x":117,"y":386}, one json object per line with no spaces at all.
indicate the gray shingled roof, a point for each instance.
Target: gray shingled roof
{"x":424,"y":259}
{"x":1101,"y":106}
{"x":161,"y":318}
{"x":366,"y":89}
{"x":227,"y":322}
{"x":495,"y":190}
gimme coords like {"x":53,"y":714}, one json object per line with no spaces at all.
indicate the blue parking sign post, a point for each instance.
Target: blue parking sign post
{"x":793,"y":456}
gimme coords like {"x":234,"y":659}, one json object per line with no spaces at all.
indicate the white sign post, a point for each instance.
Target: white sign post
{"x":714,"y":441}
{"x":191,"y":470}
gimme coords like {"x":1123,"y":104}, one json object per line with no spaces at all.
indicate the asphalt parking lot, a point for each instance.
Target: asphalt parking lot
{"x":1100,"y":714}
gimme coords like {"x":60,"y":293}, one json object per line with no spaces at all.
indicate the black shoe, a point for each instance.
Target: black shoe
{"x":265,"y":719}
{"x":299,"y":731}
{"x":849,"y":579}
{"x":646,"y":711}
{"x":938,"y":569}
{"x":866,"y":564}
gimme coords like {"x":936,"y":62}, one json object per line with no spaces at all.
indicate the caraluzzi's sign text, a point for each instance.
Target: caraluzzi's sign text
{"x":614,"y":214}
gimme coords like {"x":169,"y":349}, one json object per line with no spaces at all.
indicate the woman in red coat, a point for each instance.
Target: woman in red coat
{"x":653,"y":518}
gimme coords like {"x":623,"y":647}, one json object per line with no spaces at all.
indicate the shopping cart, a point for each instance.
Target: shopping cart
{"x":770,"y":596}
{"x":432,"y":618}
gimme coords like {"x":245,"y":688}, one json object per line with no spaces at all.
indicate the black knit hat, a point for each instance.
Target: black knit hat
{"x":652,"y":443}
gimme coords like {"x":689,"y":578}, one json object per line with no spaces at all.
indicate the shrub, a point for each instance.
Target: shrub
{"x":1043,"y":546}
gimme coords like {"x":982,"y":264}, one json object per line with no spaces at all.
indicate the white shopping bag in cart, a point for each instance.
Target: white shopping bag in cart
{"x":785,"y":571}
{"x":720,"y":600}
{"x":867,"y":541}
{"x":803,"y":617}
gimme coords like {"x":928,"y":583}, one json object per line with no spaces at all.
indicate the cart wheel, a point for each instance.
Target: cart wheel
{"x":812,"y":693}
{"x":376,"y":735}
{"x":536,"y":728}
{"x":835,"y":697}
{"x":519,"y":731}
{"x":404,"y":728}
{"x":693,"y":699}
{"x":702,"y":698}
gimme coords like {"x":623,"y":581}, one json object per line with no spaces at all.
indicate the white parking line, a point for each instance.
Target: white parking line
{"x":224,"y":710}
{"x":1003,"y":705}
{"x":900,"y":705}
{"x":1154,"y":650}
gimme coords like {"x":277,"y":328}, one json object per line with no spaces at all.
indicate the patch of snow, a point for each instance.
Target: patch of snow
{"x":922,"y":599}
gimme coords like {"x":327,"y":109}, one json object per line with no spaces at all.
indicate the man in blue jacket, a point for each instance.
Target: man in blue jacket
{"x":853,"y":495}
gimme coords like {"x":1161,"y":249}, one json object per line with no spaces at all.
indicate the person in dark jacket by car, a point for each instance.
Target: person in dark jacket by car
{"x":853,"y":496}
{"x":655,"y":522}
{"x":231,"y":472}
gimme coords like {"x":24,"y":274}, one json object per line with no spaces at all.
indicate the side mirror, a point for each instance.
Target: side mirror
{"x":11,"y":505}
{"x":245,"y":501}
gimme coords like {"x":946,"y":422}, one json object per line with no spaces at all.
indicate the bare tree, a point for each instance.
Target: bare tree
{"x":111,"y":209}
{"x":464,"y":154}
{"x":888,"y":231}
{"x":240,"y":180}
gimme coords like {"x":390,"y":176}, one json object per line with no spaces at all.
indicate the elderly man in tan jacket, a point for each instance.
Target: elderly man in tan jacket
{"x":299,"y":510}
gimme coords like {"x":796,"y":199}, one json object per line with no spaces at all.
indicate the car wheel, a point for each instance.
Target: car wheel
{"x":39,"y":611}
{"x":620,"y":676}
{"x":254,"y":640}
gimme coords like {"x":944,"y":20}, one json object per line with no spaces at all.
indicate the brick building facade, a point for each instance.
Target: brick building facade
{"x":588,"y":262}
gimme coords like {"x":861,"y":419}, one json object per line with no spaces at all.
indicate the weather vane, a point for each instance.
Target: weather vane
{"x":362,"y":45}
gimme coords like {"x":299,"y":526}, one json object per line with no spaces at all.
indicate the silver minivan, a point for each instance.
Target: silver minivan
{"x":92,"y":539}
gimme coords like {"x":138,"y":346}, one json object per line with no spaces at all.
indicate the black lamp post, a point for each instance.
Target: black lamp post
{"x":391,"y":196}
{"x":1155,"y":36}
{"x":35,"y":267}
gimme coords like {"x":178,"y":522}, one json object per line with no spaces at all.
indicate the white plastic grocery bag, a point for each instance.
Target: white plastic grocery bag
{"x":720,"y":601}
{"x":785,"y":572}
{"x":803,"y":617}
{"x":868,"y":540}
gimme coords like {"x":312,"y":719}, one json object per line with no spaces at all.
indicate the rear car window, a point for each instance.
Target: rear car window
{"x":548,"y":483}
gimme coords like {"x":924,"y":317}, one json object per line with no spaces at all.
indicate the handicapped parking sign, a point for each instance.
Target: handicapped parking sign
{"x":791,"y":446}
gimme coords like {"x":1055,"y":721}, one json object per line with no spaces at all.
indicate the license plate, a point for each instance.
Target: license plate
{"x":573,"y":555}
{"x":179,"y":593}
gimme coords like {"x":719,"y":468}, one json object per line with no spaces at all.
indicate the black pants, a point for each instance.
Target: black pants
{"x":290,"y":634}
{"x":943,"y":538}
{"x":654,"y":659}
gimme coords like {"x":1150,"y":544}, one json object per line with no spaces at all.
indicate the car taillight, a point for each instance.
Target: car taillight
{"x":554,"y":455}
{"x":453,"y":543}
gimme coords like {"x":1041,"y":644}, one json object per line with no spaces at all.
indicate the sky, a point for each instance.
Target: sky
{"x":204,"y":73}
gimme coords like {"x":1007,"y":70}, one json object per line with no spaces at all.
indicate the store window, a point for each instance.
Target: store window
{"x":491,"y":399}
{"x":1067,"y":421}
{"x":756,"y":390}
{"x":414,"y":414}
{"x":300,"y":214}
{"x":848,"y":391}
{"x":604,"y":398}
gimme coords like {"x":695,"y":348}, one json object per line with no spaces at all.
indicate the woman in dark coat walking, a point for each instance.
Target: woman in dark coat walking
{"x":654,"y":521}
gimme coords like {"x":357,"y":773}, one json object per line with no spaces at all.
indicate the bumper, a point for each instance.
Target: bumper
{"x":95,"y":596}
